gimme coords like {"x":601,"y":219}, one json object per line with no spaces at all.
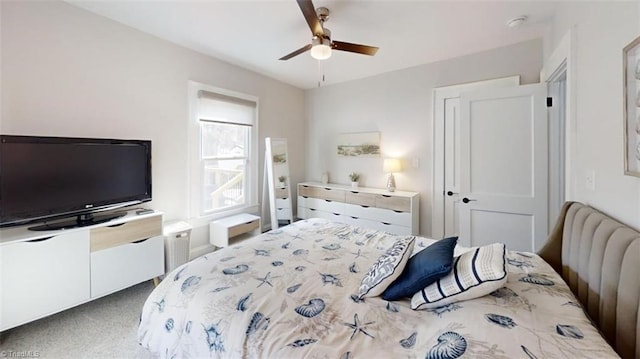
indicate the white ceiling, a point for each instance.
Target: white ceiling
{"x":255,"y":34}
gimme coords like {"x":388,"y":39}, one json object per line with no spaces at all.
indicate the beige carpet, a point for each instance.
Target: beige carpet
{"x":103,"y":328}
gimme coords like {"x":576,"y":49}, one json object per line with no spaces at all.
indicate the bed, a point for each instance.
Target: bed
{"x":296,"y":292}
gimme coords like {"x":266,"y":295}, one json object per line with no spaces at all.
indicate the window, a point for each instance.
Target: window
{"x":225,"y":173}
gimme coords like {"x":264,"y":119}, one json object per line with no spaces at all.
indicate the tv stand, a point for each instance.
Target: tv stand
{"x":45,"y":272}
{"x":82,"y":220}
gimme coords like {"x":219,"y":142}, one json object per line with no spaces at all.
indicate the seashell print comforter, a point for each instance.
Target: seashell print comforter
{"x":290,"y":293}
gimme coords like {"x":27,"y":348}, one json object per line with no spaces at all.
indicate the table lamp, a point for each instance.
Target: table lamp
{"x":391,"y":165}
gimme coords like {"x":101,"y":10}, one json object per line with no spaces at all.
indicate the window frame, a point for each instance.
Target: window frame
{"x":195,"y":180}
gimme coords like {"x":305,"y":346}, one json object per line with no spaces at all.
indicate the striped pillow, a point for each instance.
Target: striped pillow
{"x":475,"y":273}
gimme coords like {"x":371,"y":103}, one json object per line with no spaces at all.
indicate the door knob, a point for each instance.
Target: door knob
{"x":449,"y":193}
{"x":467,"y":200}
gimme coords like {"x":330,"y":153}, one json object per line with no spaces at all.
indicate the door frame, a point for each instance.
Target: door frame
{"x":440,"y":95}
{"x":562,"y":62}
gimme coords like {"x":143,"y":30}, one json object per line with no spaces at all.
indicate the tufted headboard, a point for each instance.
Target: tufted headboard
{"x":600,"y":260}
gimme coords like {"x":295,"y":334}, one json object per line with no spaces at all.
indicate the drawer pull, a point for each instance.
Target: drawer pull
{"x":363,"y":206}
{"x":386,"y":224}
{"x":398,"y":211}
{"x":140,"y":241}
{"x":305,"y":186}
{"x":279,"y":209}
{"x":39,"y":240}
{"x":336,"y":214}
{"x":312,"y":209}
{"x":116,"y":225}
{"x":354,"y":192}
{"x":355,"y":217}
{"x":386,"y":195}
{"x":328,"y":200}
{"x":327,"y":189}
{"x":250,"y":222}
{"x":305,"y":197}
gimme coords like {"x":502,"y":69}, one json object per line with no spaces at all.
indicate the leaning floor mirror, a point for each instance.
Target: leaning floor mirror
{"x":278,"y":182}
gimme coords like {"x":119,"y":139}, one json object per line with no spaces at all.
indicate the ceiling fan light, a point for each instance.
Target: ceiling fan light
{"x":321,"y":49}
{"x":321,"y":52}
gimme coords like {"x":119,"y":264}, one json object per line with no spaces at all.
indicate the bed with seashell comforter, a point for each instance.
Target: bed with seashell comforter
{"x":296,"y":292}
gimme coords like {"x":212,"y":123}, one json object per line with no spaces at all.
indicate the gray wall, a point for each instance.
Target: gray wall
{"x":600,"y":30}
{"x":68,"y":72}
{"x":399,"y":105}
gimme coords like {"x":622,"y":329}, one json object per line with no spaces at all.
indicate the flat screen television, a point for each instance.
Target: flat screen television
{"x":47,"y":178}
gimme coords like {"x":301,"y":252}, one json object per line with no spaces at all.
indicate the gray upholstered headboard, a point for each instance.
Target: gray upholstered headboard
{"x":600,"y":260}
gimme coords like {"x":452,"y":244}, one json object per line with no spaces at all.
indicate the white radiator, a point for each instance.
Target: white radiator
{"x":177,"y":240}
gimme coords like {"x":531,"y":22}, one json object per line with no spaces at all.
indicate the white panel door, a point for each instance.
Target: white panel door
{"x":452,"y":166}
{"x":503,"y":167}
{"x":446,"y":150}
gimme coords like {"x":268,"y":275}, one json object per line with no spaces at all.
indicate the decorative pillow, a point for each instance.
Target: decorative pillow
{"x":475,"y":273}
{"x":387,"y":268}
{"x":424,"y":268}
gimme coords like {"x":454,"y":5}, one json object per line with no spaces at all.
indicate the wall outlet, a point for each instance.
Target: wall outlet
{"x":590,"y":180}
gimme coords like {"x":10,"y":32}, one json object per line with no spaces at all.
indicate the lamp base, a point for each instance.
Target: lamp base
{"x":391,"y":183}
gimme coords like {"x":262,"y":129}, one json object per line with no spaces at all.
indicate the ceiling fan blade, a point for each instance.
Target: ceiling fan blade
{"x":357,"y":48}
{"x":309,"y":12}
{"x":297,"y":52}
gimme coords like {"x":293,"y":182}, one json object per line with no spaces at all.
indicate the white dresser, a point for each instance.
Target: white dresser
{"x":396,"y":212}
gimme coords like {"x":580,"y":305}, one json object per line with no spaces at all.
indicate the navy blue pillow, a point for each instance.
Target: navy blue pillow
{"x":424,"y":268}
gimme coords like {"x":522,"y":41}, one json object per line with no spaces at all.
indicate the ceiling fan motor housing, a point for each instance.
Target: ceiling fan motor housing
{"x":323,"y":14}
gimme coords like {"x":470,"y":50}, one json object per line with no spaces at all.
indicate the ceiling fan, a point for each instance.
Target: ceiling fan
{"x":321,"y":43}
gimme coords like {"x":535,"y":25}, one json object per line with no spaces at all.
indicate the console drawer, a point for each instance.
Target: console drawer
{"x":119,"y":267}
{"x":113,"y":236}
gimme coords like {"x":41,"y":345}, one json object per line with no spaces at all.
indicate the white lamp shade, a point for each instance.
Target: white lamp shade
{"x":321,"y":52}
{"x":392,"y":165}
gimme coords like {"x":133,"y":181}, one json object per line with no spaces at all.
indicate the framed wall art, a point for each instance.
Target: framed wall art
{"x":631,"y":97}
{"x":359,"y":144}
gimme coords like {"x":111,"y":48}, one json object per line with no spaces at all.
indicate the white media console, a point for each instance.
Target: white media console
{"x":45,"y":272}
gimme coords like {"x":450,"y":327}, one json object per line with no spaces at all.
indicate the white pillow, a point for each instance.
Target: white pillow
{"x":387,"y":268}
{"x":475,"y":273}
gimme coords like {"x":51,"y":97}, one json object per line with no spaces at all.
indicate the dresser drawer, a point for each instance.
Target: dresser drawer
{"x":325,"y":205}
{"x":384,"y":226}
{"x":306,"y":191}
{"x":113,"y":236}
{"x":335,"y":217}
{"x":379,"y":215}
{"x":402,"y":204}
{"x":302,"y":201}
{"x":302,"y":212}
{"x":361,"y":199}
{"x":331,"y":194}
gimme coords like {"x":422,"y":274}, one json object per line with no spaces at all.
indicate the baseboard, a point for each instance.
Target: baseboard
{"x":200,"y":251}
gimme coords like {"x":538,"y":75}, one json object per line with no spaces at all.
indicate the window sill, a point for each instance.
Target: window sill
{"x":206,"y":219}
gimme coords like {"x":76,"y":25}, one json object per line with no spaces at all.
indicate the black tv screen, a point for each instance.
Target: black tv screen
{"x":45,"y":177}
